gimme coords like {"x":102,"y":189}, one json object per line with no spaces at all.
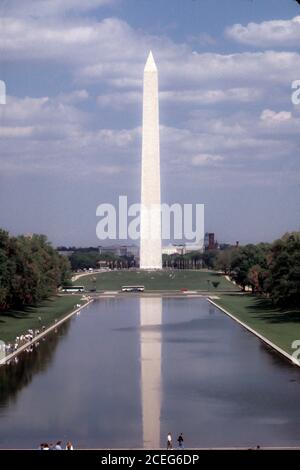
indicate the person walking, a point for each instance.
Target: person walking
{"x":69,"y":446}
{"x":180,"y":441}
{"x":169,"y":441}
{"x":58,"y":445}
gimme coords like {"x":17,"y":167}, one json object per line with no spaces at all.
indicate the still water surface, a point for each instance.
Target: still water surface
{"x":125,"y":372}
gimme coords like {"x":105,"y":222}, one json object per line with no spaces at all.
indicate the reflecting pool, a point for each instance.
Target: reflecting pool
{"x":127,"y":371}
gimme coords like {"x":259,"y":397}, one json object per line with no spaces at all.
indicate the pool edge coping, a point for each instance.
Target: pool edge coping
{"x":281,"y":351}
{"x":24,"y":346}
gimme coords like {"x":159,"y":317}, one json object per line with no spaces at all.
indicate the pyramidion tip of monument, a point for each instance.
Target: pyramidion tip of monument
{"x":150,"y":64}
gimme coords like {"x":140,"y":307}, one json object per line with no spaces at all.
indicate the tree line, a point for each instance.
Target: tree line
{"x":272,"y":270}
{"x":85,"y":258}
{"x":269,"y":269}
{"x":31,"y":270}
{"x":91,"y":258}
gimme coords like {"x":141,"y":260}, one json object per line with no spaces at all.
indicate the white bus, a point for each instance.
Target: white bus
{"x":73,"y":289}
{"x":133,"y":288}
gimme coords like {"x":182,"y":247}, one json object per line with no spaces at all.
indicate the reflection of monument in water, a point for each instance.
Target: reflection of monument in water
{"x":150,"y":243}
{"x":150,"y":321}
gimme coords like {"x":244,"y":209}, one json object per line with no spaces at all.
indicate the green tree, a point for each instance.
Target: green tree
{"x":256,"y":278}
{"x":30,"y":270}
{"x":244,"y":258}
{"x":224,"y":260}
{"x":284,"y":271}
{"x":209,"y":258}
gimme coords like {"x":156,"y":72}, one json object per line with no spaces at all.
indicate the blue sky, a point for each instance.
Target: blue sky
{"x":70,"y":131}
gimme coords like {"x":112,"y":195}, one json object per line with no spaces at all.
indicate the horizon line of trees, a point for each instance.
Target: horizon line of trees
{"x":85,"y":259}
{"x":270,"y":269}
{"x":31,"y":270}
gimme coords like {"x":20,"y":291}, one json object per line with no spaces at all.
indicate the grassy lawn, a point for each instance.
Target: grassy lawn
{"x":159,"y":280}
{"x":280,"y":327}
{"x":15,"y":322}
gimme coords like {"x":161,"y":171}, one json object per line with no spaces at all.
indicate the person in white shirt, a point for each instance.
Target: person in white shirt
{"x":58,"y":446}
{"x":169,"y":441}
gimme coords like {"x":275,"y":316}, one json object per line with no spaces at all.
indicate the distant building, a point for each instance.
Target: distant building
{"x":120,"y":250}
{"x":182,"y":249}
{"x":209,"y":241}
{"x":67,"y":253}
{"x":173,"y":250}
{"x":133,"y":250}
{"x":195,"y":247}
{"x":102,"y":264}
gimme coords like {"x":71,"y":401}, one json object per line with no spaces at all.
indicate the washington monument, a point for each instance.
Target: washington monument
{"x":150,"y":244}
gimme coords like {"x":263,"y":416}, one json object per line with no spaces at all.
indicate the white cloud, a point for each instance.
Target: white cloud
{"x":211,"y":96}
{"x":16,"y":132}
{"x":73,"y":97}
{"x":52,"y":7}
{"x":45,"y":112}
{"x":118,"y":100}
{"x":202,"y":39}
{"x":286,"y":124}
{"x":112,"y":53}
{"x":121,"y":138}
{"x":109,"y":46}
{"x":268,"y":33}
{"x":47,"y":135}
{"x":206,"y":159}
{"x":236,"y":141}
{"x":270,"y":116}
{"x":43,"y":135}
{"x":109,"y":54}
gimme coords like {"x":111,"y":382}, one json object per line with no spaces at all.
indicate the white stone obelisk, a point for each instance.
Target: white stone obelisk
{"x":150,"y":243}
